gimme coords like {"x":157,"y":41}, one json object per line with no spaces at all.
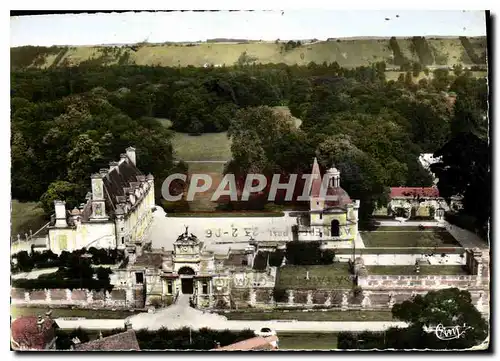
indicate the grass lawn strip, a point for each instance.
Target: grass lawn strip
{"x":311,"y":315}
{"x":425,"y":270}
{"x":68,"y":312}
{"x":331,"y":276}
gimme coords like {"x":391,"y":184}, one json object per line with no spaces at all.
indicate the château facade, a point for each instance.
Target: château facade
{"x":117,"y":213}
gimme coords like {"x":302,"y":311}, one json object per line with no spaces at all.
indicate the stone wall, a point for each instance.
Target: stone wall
{"x":404,"y":259}
{"x":117,"y":298}
{"x":417,"y":282}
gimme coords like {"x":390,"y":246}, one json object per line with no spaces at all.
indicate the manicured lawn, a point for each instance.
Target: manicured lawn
{"x":307,"y":341}
{"x":67,"y":312}
{"x":330,"y":276}
{"x":25,"y":216}
{"x":312,"y":315}
{"x":402,"y":250}
{"x":434,"y":270}
{"x":208,"y":146}
{"x":409,"y":239}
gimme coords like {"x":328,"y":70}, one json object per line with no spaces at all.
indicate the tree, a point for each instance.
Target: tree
{"x":464,"y":169}
{"x":61,"y":190}
{"x":448,"y":307}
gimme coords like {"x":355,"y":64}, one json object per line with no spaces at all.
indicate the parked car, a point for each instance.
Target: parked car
{"x":265,"y":332}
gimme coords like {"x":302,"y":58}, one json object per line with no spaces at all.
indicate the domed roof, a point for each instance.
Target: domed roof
{"x":342,"y":198}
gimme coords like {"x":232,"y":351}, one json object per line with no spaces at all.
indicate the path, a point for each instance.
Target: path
{"x":182,"y":315}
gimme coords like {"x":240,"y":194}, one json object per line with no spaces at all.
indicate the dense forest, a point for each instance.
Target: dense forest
{"x":69,"y":122}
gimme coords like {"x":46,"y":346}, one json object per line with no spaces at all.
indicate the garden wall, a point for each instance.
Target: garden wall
{"x":117,"y":298}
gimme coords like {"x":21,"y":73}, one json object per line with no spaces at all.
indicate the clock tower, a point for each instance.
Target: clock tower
{"x":187,"y":250}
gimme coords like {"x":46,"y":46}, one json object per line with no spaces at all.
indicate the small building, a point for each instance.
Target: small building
{"x":409,"y":202}
{"x":258,"y":343}
{"x":125,"y":341}
{"x":333,"y":215}
{"x":32,"y":333}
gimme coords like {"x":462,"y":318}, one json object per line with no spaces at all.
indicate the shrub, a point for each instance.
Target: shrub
{"x":280,"y":295}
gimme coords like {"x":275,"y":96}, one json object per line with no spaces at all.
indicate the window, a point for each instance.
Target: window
{"x":169,"y":287}
{"x":335,"y":228}
{"x":321,"y":216}
{"x":123,"y":240}
{"x":139,"y":277}
{"x":204,"y":288}
{"x":244,"y":262}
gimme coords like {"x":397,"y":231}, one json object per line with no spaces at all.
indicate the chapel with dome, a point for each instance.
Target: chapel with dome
{"x":333,"y":215}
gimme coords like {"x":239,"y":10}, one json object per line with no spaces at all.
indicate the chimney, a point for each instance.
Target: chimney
{"x":103,"y":172}
{"x":131,"y":154}
{"x":60,"y":207}
{"x":112,"y":165}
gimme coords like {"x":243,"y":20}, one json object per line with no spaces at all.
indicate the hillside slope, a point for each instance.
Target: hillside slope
{"x":346,"y":52}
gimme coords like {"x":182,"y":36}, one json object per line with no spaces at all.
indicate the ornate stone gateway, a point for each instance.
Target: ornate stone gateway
{"x":186,"y":275}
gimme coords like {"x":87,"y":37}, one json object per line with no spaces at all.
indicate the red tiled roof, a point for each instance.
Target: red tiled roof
{"x":410,"y":192}
{"x":125,"y":341}
{"x":26,"y":333}
{"x":255,"y":343}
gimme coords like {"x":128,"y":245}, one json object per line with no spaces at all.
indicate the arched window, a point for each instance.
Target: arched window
{"x":335,"y":228}
{"x":186,"y":271}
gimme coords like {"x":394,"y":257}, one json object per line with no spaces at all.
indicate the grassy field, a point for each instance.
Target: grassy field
{"x":25,"y":216}
{"x":425,"y":270}
{"x":307,"y":341}
{"x":409,"y":239}
{"x":331,"y":276}
{"x":312,"y":315}
{"x":67,"y":312}
{"x":208,"y":146}
{"x":346,"y":52}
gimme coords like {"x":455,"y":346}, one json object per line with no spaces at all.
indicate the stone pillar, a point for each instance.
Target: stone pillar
{"x":129,"y":297}
{"x":27,"y":296}
{"x":108,"y":297}
{"x":90,"y":297}
{"x":253,"y":297}
{"x":48,"y":297}
{"x":366,"y":300}
{"x":309,"y":298}
{"x":68,"y":294}
{"x":345,"y":301}
{"x":328,"y":301}
{"x":290,"y":297}
{"x":480,"y":303}
{"x":392,"y":300}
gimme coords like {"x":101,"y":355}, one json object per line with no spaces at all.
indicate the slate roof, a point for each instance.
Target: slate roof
{"x":125,"y":341}
{"x":149,"y":259}
{"x":120,"y":177}
{"x":411,"y":192}
{"x":252,"y":344}
{"x":25,"y":332}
